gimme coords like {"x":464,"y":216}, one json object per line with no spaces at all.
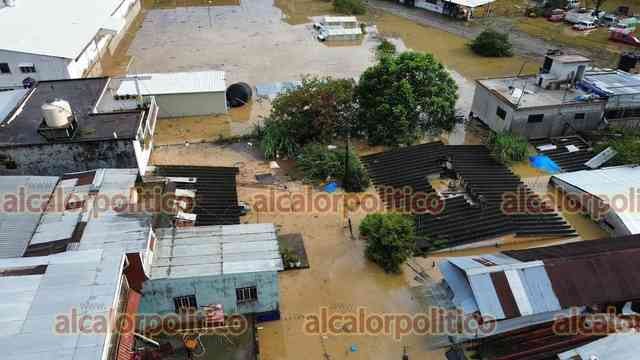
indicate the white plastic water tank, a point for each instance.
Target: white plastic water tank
{"x":57,"y":114}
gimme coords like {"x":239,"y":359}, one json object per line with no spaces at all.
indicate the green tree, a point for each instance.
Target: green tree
{"x":349,"y":7}
{"x":491,"y":43}
{"x":390,"y":239}
{"x":402,"y":96}
{"x":318,"y":163}
{"x":314,"y":111}
{"x":385,"y":48}
{"x":508,"y":147}
{"x":627,"y":147}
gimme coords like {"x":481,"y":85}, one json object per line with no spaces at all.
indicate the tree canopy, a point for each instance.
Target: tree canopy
{"x":316,"y":111}
{"x":402,"y":96}
{"x":491,"y":43}
{"x":390,"y":239}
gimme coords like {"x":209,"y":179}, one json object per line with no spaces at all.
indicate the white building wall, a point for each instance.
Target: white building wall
{"x":47,"y":68}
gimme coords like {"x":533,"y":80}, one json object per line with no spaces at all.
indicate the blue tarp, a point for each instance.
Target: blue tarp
{"x":331,"y":187}
{"x":544,"y":163}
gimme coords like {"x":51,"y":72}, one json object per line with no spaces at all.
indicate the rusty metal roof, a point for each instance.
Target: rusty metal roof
{"x":533,"y":281}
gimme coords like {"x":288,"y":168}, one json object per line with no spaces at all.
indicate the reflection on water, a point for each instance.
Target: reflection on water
{"x":450,"y":49}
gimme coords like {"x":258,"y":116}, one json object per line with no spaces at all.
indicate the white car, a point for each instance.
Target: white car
{"x":584,"y":26}
{"x":322,"y":35}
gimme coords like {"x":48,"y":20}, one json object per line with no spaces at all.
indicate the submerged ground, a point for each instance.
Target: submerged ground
{"x":261,"y":41}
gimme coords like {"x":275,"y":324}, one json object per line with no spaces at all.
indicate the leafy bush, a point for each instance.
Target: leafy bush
{"x":315,"y":111}
{"x":627,"y":146}
{"x":386,"y":48}
{"x":318,"y":163}
{"x":275,"y":141}
{"x":350,"y":7}
{"x":508,"y":147}
{"x":390,"y":239}
{"x":491,"y":43}
{"x":403,"y":96}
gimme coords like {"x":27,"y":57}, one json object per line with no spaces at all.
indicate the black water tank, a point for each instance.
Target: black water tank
{"x":628,"y":61}
{"x":239,"y":94}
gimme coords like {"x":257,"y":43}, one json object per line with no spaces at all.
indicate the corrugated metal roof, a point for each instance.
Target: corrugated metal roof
{"x":85,"y":277}
{"x":501,"y":287}
{"x":337,"y":31}
{"x":55,"y":29}
{"x":607,"y":184}
{"x":17,"y":227}
{"x":29,"y":305}
{"x":9,"y":100}
{"x":216,"y":250}
{"x":340,"y":19}
{"x":612,"y":83}
{"x":621,"y":346}
{"x":174,"y":83}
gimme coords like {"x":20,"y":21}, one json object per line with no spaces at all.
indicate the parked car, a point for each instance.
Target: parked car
{"x":608,"y":20}
{"x":322,"y":35}
{"x":576,"y":16}
{"x":624,"y":37}
{"x":584,"y":26}
{"x":557,"y":15}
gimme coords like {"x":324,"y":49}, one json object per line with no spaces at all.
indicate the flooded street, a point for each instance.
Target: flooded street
{"x":263,"y":41}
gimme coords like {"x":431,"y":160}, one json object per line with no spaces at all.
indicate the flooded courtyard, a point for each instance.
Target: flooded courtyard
{"x":266,"y":41}
{"x":262,"y":41}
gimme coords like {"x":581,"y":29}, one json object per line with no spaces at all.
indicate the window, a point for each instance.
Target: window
{"x":4,"y":68}
{"x":246,"y":294}
{"x":579,"y":116}
{"x":501,"y":113}
{"x":27,"y":68}
{"x":535,"y":118}
{"x":185,"y":303}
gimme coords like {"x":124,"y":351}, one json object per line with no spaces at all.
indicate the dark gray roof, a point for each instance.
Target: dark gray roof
{"x":82,"y":94}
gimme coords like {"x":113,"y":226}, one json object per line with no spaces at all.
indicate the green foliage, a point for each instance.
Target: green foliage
{"x":402,"y":96}
{"x":508,"y":147}
{"x":390,"y":239}
{"x":318,"y":163}
{"x":386,"y":48}
{"x":491,"y":43}
{"x":315,"y":111}
{"x":350,"y":7}
{"x":627,"y":146}
{"x":275,"y":141}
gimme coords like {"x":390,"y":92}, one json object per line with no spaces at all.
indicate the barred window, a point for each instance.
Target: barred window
{"x":246,"y":294}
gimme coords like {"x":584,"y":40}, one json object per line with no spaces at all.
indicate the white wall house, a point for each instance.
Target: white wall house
{"x":51,"y":40}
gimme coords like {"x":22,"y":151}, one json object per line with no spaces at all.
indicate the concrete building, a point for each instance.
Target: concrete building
{"x":609,"y":195}
{"x":79,"y":256}
{"x":178,"y":94}
{"x":67,"y":126}
{"x":235,"y":266}
{"x":545,"y":105}
{"x":48,"y":40}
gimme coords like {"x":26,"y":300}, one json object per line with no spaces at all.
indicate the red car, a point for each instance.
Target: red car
{"x":557,"y":15}
{"x":626,"y":37}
